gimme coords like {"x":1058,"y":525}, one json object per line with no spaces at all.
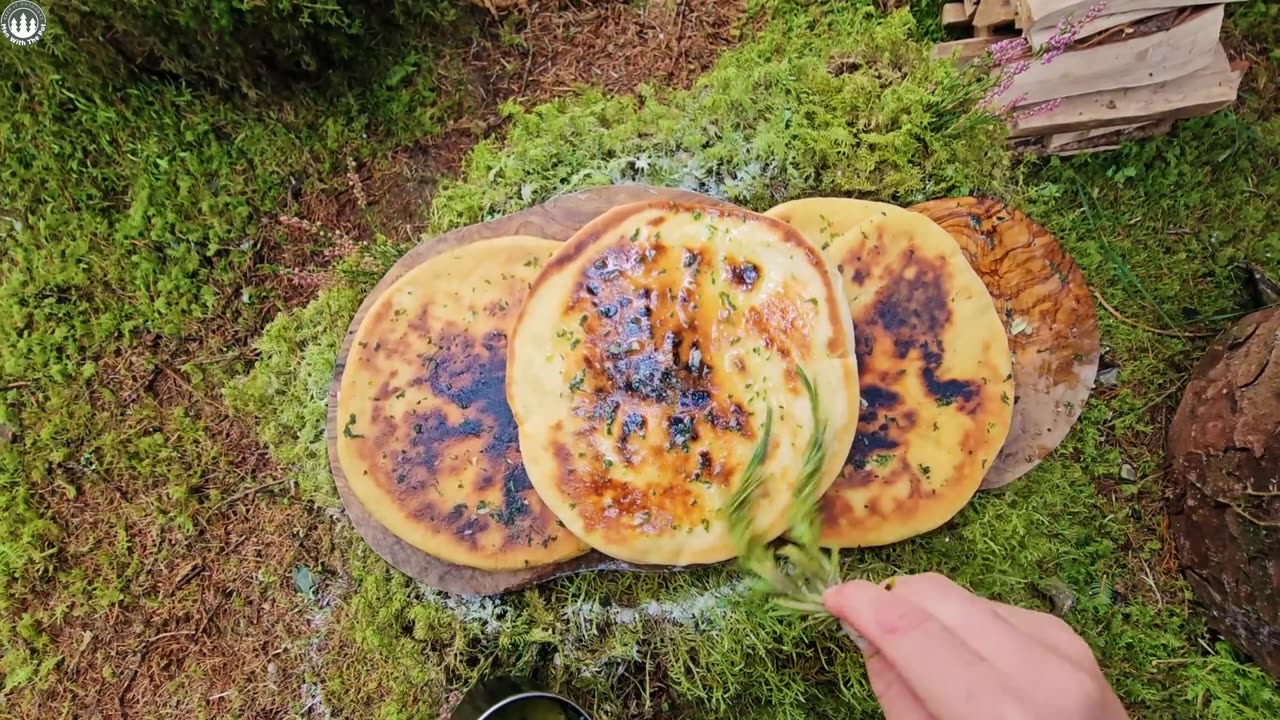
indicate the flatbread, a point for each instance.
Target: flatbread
{"x":936,"y":378}
{"x":643,"y":363}
{"x":429,"y":445}
{"x":823,"y":219}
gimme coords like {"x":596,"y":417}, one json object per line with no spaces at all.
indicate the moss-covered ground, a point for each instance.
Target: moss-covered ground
{"x":134,"y":272}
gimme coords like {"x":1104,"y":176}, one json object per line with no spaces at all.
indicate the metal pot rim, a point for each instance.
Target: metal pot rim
{"x":530,"y":694}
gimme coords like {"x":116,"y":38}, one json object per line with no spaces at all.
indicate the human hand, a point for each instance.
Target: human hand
{"x":935,"y":651}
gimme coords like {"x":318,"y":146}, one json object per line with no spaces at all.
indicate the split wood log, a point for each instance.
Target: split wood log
{"x":1106,"y":138}
{"x":1024,"y":12}
{"x":1045,"y":14}
{"x":1174,"y":53}
{"x":967,"y":50}
{"x":1039,"y":36}
{"x":1063,"y":140}
{"x":1200,"y":93}
{"x":954,"y":15}
{"x":1084,"y":151}
{"x":994,"y":13}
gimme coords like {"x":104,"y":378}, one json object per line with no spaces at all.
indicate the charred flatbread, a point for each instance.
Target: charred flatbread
{"x":643,"y":364}
{"x":428,"y":442}
{"x":936,"y":381}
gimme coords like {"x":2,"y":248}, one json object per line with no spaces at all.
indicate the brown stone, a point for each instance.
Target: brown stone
{"x":1224,"y":504}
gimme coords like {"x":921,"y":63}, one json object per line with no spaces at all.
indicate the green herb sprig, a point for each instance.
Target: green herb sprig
{"x":794,"y":574}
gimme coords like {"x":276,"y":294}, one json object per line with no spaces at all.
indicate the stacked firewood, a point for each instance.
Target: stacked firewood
{"x":1082,"y":75}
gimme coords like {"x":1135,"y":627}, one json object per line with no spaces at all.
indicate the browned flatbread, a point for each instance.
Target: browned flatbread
{"x":428,"y":443}
{"x":934,"y":368}
{"x":643,"y":363}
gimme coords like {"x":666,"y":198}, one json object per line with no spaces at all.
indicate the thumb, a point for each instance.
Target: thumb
{"x":896,"y":698}
{"x":841,"y":601}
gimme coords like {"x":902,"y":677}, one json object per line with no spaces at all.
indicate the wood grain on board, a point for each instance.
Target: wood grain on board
{"x":1174,"y":53}
{"x":1207,"y":90}
{"x":1044,"y":302}
{"x":556,"y":219}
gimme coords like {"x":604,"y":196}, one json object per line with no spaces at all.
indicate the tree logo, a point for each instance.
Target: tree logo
{"x":22,"y":22}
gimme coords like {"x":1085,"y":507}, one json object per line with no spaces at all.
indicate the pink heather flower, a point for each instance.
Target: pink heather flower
{"x":342,"y":247}
{"x":1006,"y":51}
{"x":298,"y":224}
{"x":1007,"y":74}
{"x":1097,"y":9}
{"x":1068,"y":30}
{"x":1006,"y":111}
{"x":1044,"y":107}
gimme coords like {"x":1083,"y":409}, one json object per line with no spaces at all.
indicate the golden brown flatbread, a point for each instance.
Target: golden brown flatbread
{"x":644,"y":360}
{"x":936,"y":379}
{"x":428,"y":443}
{"x":823,"y":219}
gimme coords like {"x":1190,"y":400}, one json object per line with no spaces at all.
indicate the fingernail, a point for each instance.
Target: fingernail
{"x":855,"y":636}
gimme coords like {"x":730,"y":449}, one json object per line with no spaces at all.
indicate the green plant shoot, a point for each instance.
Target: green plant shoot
{"x":794,"y":574}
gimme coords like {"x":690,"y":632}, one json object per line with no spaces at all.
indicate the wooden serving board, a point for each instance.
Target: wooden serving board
{"x":1048,"y":314}
{"x":557,"y":219}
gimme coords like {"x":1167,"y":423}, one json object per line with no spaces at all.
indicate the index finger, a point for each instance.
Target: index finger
{"x":991,"y":633}
{"x":948,"y":676}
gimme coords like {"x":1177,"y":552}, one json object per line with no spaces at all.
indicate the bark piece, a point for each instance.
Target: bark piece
{"x":1224,"y":498}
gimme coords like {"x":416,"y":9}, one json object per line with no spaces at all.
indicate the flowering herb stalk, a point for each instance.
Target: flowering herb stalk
{"x":794,"y":574}
{"x":1014,"y":57}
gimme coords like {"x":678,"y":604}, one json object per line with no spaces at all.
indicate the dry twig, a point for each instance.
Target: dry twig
{"x":1143,"y":326}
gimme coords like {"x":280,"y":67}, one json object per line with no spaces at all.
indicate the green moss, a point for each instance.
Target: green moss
{"x":771,"y":122}
{"x":858,"y":110}
{"x":244,"y":47}
{"x":129,"y":234}
{"x":289,"y":387}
